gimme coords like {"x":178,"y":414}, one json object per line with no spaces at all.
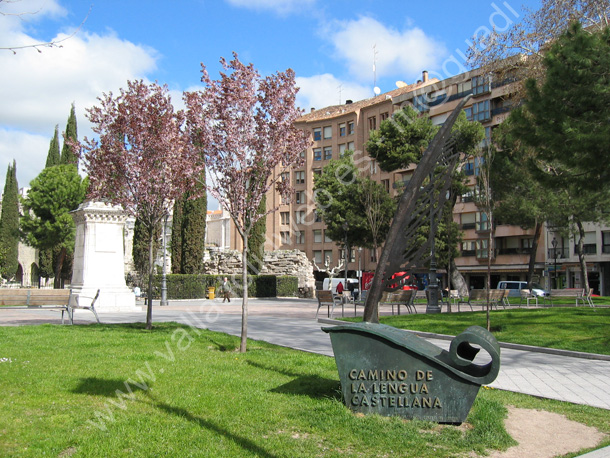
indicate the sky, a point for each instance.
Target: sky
{"x":339,"y":50}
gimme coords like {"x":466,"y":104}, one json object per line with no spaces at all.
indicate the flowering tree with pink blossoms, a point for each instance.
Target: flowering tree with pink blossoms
{"x":245,"y":125}
{"x":144,"y":158}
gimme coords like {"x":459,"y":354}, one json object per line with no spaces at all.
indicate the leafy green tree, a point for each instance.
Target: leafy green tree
{"x":46,"y":222}
{"x":352,"y":204}
{"x":256,"y":241}
{"x":67,"y":154}
{"x":9,"y":224}
{"x":564,"y":120}
{"x":53,"y":157}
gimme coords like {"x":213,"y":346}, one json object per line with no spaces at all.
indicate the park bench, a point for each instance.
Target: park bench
{"x":45,"y":299}
{"x":326,"y":298}
{"x":578,"y":294}
{"x":479,"y":297}
{"x":405,"y":297}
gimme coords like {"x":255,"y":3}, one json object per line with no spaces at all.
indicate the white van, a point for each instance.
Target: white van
{"x":336,"y":281}
{"x":515,"y":288}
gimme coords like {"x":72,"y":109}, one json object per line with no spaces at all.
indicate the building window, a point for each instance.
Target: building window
{"x":350,"y":127}
{"x":606,"y":242}
{"x":467,"y":221}
{"x":328,"y":256}
{"x":464,"y":88}
{"x":350,"y":146}
{"x":285,"y":217}
{"x":468,"y":248}
{"x":317,"y":257}
{"x":328,"y":153}
{"x":373,"y":166}
{"x":478,"y":112}
{"x":373,"y":123}
{"x":299,"y":177}
{"x":342,"y":130}
{"x":318,"y":217}
{"x":299,"y":217}
{"x":317,"y":236}
{"x":328,"y":132}
{"x":386,"y":185}
{"x":480,"y":84}
{"x":317,"y":172}
{"x":373,"y":255}
{"x":482,"y":224}
{"x":317,"y":154}
{"x":285,"y":176}
{"x":299,"y":197}
{"x":299,"y":237}
{"x":384,"y":116}
{"x":342,"y":149}
{"x":482,"y":248}
{"x":317,"y":134}
{"x":327,"y":239}
{"x":285,"y":237}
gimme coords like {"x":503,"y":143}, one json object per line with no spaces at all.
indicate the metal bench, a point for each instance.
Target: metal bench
{"x":326,"y":298}
{"x":45,"y":299}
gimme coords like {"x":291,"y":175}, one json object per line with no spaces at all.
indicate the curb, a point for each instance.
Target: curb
{"x":512,"y":346}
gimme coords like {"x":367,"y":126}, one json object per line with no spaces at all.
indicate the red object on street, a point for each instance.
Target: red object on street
{"x":367,"y":280}
{"x":340,"y":288}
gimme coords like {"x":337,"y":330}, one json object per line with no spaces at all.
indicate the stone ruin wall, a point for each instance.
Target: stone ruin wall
{"x":281,"y":262}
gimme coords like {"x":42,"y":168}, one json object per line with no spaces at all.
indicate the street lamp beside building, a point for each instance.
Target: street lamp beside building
{"x":554,"y":244}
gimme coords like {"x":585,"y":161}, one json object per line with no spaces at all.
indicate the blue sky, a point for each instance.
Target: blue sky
{"x":331,"y":45}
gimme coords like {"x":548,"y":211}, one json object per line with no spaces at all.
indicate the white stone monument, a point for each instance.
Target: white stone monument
{"x":99,"y":258}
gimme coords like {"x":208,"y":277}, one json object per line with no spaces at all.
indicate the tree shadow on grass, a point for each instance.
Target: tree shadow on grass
{"x":311,"y":385}
{"x":106,"y":387}
{"x":243,"y":442}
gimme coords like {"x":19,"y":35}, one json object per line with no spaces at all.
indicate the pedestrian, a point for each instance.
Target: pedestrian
{"x":226,"y":290}
{"x":340,"y":288}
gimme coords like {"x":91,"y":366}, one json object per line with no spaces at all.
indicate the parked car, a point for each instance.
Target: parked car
{"x":515,"y":288}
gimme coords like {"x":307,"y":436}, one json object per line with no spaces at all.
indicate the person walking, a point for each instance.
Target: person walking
{"x":226,"y":290}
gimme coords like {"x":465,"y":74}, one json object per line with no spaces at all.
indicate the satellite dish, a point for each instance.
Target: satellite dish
{"x":401,"y":84}
{"x":376,"y":90}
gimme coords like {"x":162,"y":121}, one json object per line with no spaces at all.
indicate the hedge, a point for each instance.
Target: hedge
{"x":181,"y":286}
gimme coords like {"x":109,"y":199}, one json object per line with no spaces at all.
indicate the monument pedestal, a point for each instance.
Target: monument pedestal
{"x":98,"y":258}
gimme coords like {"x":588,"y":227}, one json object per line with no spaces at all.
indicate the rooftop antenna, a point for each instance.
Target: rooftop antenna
{"x":340,"y":87}
{"x":376,"y":90}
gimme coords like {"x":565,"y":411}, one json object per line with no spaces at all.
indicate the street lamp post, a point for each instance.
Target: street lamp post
{"x":554,"y":243}
{"x":164,"y":275}
{"x":345,"y":227}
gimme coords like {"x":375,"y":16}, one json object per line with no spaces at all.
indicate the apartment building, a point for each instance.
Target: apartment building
{"x":338,"y":128}
{"x":347,"y":127}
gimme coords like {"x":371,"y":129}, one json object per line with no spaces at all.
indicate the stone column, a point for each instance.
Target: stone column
{"x":99,"y":258}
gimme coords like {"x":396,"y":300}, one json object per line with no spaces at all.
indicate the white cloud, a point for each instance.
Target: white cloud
{"x":320,"y":91}
{"x":37,"y":89}
{"x":278,"y":6}
{"x":400,"y":54}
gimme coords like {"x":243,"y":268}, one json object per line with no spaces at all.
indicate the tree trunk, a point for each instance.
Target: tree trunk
{"x":490,"y":247}
{"x":151,"y":270}
{"x":244,"y":304}
{"x":532,"y":263}
{"x":581,"y":257}
{"x":457,"y":279}
{"x":59,"y":267}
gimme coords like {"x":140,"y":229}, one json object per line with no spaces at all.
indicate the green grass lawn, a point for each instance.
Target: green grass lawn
{"x":569,"y":328}
{"x":119,"y":390}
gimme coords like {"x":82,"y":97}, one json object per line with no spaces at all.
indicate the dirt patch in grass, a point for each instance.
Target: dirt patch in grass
{"x":544,"y":434}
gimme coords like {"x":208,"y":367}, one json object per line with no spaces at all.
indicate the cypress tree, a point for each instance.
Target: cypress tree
{"x":140,"y":248}
{"x":256,"y":241}
{"x":67,"y":155}
{"x":53,"y":157}
{"x":188,"y":234}
{"x":9,"y":224}
{"x":176,"y":241}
